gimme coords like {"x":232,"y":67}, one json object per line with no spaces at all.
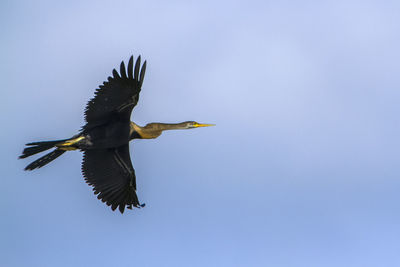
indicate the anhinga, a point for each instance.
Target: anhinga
{"x":105,"y":138}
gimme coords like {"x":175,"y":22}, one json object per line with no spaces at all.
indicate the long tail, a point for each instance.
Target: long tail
{"x":40,"y":162}
{"x":37,"y":147}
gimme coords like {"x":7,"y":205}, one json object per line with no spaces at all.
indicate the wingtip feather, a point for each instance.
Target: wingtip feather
{"x":130,"y":67}
{"x":122,"y":70}
{"x":137,"y":67}
{"x":115,"y":74}
{"x":142,"y":73}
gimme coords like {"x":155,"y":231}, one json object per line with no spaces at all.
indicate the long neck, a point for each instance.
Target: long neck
{"x":154,"y":130}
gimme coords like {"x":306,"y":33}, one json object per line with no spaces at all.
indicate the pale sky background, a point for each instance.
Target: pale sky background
{"x":301,"y":170}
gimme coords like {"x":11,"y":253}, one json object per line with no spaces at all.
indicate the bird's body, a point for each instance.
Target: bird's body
{"x":105,"y":138}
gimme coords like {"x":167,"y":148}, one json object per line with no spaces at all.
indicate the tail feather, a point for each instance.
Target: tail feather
{"x":37,"y":147}
{"x":53,"y":143}
{"x":45,"y":159}
{"x":29,"y":151}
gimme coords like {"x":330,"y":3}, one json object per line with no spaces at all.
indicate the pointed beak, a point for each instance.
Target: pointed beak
{"x":203,"y":125}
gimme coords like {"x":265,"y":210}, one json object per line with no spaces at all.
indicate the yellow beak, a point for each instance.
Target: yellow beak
{"x":203,"y":125}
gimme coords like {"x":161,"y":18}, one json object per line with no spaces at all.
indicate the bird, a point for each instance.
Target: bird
{"x":104,"y":139}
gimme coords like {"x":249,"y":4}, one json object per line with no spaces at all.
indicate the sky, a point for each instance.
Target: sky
{"x":302,"y":168}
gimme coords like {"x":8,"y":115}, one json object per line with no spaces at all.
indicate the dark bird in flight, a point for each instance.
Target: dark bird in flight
{"x":105,"y":138}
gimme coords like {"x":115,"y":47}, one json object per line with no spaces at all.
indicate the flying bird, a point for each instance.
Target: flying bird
{"x":104,"y":139}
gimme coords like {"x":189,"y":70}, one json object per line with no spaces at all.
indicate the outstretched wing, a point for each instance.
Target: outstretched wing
{"x":117,"y":96}
{"x":112,"y":176}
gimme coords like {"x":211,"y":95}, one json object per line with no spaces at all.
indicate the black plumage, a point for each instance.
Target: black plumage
{"x":107,"y":164}
{"x":117,"y":97}
{"x":104,"y":139}
{"x":112,"y":176}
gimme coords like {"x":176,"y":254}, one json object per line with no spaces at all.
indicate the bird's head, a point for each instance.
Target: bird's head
{"x":193,"y":124}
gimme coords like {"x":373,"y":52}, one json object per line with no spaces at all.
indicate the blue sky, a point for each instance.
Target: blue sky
{"x":301,"y":170}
